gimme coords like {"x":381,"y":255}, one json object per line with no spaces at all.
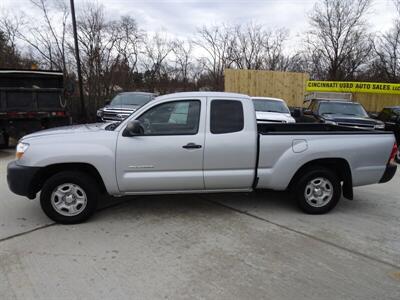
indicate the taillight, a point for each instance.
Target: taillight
{"x":12,"y":114}
{"x":58,"y":113}
{"x":393,"y":154}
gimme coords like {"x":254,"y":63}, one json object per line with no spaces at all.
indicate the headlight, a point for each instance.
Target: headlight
{"x":380,"y":126}
{"x":99,"y":113}
{"x":21,"y":148}
{"x":330,"y":122}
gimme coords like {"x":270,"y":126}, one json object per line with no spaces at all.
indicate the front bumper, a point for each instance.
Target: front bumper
{"x":389,"y":173}
{"x":21,"y":179}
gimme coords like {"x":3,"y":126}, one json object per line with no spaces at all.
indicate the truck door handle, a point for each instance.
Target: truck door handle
{"x":191,"y":146}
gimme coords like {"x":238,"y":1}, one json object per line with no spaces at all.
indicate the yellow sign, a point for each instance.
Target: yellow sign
{"x":353,"y":87}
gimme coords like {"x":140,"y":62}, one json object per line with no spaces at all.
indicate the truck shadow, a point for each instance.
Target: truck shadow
{"x":6,"y":152}
{"x":264,"y":200}
{"x":193,"y":206}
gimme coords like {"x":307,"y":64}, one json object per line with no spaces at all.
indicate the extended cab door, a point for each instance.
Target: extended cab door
{"x":169,"y":156}
{"x":231,"y":144}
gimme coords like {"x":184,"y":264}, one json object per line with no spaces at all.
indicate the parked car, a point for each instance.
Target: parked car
{"x":391,"y":117}
{"x":123,"y":105}
{"x":30,"y":100}
{"x":199,"y":142}
{"x":343,"y":113}
{"x":272,"y":110}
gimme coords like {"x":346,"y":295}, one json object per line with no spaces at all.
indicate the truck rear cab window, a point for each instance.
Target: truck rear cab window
{"x":226,"y":116}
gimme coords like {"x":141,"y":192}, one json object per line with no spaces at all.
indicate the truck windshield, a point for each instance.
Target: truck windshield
{"x":130,"y":99}
{"x":270,"y":106}
{"x":353,"y":109}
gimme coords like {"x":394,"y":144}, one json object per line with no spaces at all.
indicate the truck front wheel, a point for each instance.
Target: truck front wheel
{"x":69,"y":197}
{"x":318,"y":190}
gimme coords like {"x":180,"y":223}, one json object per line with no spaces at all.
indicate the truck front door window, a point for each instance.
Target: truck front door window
{"x":172,"y":118}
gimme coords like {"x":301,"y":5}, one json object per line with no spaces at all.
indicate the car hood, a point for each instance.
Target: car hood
{"x":68,"y":130}
{"x":273,"y":116}
{"x":351,"y":119}
{"x":122,"y":107}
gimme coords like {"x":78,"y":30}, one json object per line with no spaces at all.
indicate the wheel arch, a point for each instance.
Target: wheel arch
{"x":48,"y":171}
{"x":340,"y":166}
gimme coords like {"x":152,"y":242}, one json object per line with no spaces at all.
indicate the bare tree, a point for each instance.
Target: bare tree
{"x":386,"y":66}
{"x":10,"y":54}
{"x":129,"y":41}
{"x":157,"y":48}
{"x":9,"y":27}
{"x":274,"y":57}
{"x":338,"y":41}
{"x":397,"y":5}
{"x":248,"y":47}
{"x":48,"y":37}
{"x":216,"y":42}
{"x":184,"y":64}
{"x":97,"y":40}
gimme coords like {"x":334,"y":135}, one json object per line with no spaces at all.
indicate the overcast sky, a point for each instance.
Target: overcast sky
{"x":181,"y":17}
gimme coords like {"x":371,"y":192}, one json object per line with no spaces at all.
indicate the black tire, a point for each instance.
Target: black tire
{"x":307,"y":177}
{"x":84,"y":182}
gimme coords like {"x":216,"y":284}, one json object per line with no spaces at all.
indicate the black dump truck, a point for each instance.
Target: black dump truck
{"x":30,"y":100}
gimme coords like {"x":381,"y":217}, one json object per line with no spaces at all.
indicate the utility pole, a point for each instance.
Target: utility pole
{"x":78,"y":64}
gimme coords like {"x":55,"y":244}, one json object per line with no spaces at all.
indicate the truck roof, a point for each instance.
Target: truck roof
{"x":29,"y":79}
{"x":203,"y":94}
{"x":268,"y":98}
{"x":332,"y":96}
{"x":137,"y":93}
{"x":336,"y":101}
{"x":44,"y":72}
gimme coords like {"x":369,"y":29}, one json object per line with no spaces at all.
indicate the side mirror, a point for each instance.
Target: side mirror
{"x":133,"y":129}
{"x":296,"y":113}
{"x":373,"y":115}
{"x":107,"y":102}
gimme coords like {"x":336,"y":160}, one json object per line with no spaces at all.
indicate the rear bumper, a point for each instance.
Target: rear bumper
{"x":389,"y":173}
{"x":21,"y":179}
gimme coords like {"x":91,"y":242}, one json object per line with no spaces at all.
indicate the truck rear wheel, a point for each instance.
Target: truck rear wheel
{"x":318,"y":190}
{"x":69,"y":197}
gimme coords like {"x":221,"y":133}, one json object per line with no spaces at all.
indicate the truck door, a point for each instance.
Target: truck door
{"x":169,"y":156}
{"x":231,"y":144}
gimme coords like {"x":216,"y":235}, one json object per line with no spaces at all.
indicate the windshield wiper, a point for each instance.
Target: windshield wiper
{"x":270,"y":111}
{"x":350,"y":114}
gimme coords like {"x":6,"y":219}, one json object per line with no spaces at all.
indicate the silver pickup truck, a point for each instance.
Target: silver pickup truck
{"x":200,"y":142}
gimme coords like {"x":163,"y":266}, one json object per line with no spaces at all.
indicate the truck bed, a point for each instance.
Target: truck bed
{"x":285,"y":147}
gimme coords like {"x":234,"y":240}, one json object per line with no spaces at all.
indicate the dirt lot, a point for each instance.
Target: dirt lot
{"x":245,"y":246}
